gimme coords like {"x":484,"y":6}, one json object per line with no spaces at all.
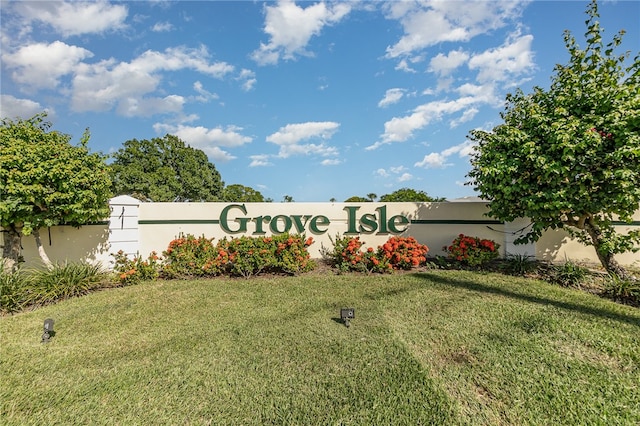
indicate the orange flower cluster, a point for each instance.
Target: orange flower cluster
{"x":404,"y":252}
{"x":396,"y":253}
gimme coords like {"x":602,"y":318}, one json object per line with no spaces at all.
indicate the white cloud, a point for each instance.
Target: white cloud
{"x":290,"y":136}
{"x":147,"y":107}
{"x":105,"y":84}
{"x":204,"y":95}
{"x":437,"y":160}
{"x":396,"y":173}
{"x":445,"y":64}
{"x":382,"y":173}
{"x":466,"y":116}
{"x":248,"y":79}
{"x":403,"y":65}
{"x":330,"y":162}
{"x":405,"y":177}
{"x":260,"y":160}
{"x":323,"y":150}
{"x":41,"y":65}
{"x":162,"y":27}
{"x":431,"y":22}
{"x":399,"y":129}
{"x":391,"y":96}
{"x":512,"y":58}
{"x":433,"y":161}
{"x":75,"y":18}
{"x":207,"y":140}
{"x":12,"y":107}
{"x":290,"y":27}
{"x":202,"y":137}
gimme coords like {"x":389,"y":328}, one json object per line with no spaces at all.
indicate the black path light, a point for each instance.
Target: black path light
{"x":48,"y":330}
{"x":347,"y":314}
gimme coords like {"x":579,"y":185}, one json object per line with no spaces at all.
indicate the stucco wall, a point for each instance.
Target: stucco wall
{"x":433,"y":224}
{"x":136,"y":227}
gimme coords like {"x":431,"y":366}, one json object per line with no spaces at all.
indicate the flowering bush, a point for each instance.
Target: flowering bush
{"x":291,"y":254}
{"x":189,"y":256}
{"x":245,"y":256}
{"x":132,"y":271}
{"x":396,"y":253}
{"x":472,"y":250}
{"x":404,"y":252}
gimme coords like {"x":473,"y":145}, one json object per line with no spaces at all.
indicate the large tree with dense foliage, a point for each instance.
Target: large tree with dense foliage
{"x":237,"y":193}
{"x":164,"y":169}
{"x":569,"y":157}
{"x":46,"y":181}
{"x":357,"y":199}
{"x":408,"y":195}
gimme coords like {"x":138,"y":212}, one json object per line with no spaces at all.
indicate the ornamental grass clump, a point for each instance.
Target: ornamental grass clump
{"x":472,"y":251}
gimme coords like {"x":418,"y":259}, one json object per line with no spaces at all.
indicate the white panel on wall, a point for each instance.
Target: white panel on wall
{"x":123,"y":225}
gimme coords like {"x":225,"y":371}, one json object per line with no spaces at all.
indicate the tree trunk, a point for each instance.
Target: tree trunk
{"x":606,"y":259}
{"x":41,"y":252}
{"x":11,"y":249}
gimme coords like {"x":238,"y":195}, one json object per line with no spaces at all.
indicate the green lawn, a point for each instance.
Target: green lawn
{"x":440,"y":347}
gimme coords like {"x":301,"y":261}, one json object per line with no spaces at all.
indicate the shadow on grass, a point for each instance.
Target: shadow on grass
{"x":481,"y":288}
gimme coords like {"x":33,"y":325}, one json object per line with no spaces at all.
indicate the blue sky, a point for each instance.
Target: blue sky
{"x":312,"y":100}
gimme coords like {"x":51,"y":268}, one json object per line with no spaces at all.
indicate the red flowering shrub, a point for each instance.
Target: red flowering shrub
{"x":396,"y":253}
{"x":472,"y":250}
{"x":404,"y":252}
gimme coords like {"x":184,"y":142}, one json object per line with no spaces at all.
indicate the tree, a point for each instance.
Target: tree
{"x":408,"y":195}
{"x":287,"y":199}
{"x":372,"y":196}
{"x":164,"y":169}
{"x":241,"y":194}
{"x":569,"y":157}
{"x":46,"y":181}
{"x":357,"y":199}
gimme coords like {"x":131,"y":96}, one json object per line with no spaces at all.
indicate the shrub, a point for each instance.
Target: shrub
{"x":291,"y":253}
{"x":188,"y":256}
{"x":472,"y":251}
{"x":132,"y":271}
{"x":245,"y":256}
{"x":396,"y":253}
{"x":404,"y":252}
{"x":519,"y":264}
{"x":346,"y":254}
{"x":568,"y":274}
{"x":619,"y":289}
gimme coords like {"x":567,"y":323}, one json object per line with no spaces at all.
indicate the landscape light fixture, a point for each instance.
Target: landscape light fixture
{"x":48,"y":330}
{"x":347,"y":314}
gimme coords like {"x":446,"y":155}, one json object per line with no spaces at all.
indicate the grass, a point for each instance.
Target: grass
{"x":437,"y":347}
